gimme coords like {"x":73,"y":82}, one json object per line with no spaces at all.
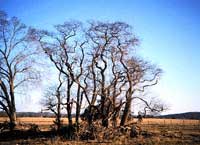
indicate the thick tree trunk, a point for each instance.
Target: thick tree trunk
{"x":90,"y":116}
{"x":103,"y":99}
{"x":104,"y":112}
{"x":13,"y":119}
{"x":58,"y":119}
{"x":114,"y":121}
{"x":69,"y":114}
{"x":126,"y":112}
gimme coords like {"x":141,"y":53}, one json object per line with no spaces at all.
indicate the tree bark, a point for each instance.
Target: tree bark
{"x":126,"y":112}
{"x":12,"y":118}
{"x":78,"y":105}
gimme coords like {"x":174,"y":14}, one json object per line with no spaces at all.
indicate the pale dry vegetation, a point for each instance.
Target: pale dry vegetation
{"x":153,"y":131}
{"x":146,"y":121}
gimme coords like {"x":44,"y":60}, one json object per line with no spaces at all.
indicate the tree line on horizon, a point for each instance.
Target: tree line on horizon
{"x":98,"y":70}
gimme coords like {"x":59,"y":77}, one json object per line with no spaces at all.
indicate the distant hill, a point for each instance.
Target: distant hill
{"x":187,"y":115}
{"x":34,"y":114}
{"x":31,"y":114}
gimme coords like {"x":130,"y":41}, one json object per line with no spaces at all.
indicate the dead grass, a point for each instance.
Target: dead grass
{"x":160,"y":132}
{"x":48,"y":121}
{"x":171,"y":121}
{"x":35,"y":120}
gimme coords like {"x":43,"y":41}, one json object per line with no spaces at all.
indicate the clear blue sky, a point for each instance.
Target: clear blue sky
{"x":169,"y":33}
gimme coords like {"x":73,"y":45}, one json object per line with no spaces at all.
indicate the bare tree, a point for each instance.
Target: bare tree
{"x":108,"y":74}
{"x":151,"y":106}
{"x":53,"y":101}
{"x":140,"y":75}
{"x":122,"y":76}
{"x":67,"y":54}
{"x":100,"y":65}
{"x":16,"y":63}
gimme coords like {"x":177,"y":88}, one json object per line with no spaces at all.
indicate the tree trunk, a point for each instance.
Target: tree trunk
{"x":69,"y":114}
{"x":69,"y":104}
{"x":114,"y":121}
{"x":59,"y":114}
{"x":13,"y":119}
{"x":126,"y":112}
{"x":78,"y":105}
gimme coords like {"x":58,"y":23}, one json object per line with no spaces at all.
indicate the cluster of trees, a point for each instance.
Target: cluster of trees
{"x":97,"y":65}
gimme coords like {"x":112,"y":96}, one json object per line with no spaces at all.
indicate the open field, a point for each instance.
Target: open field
{"x":154,"y":131}
{"x":49,"y":121}
{"x":35,"y":120}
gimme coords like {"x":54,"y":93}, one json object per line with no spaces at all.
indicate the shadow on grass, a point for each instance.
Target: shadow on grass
{"x":27,"y":134}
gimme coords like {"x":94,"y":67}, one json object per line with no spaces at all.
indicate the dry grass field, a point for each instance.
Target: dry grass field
{"x":35,"y":120}
{"x":49,"y":121}
{"x":154,"y":131}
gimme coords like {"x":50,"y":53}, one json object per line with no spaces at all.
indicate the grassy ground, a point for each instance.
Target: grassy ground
{"x":154,"y":131}
{"x":149,"y":121}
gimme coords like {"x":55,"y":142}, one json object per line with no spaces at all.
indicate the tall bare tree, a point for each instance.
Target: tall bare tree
{"x":116,"y":70}
{"x":140,"y":75}
{"x":16,"y":63}
{"x":67,"y":54}
{"x":99,"y":65}
{"x":110,"y":77}
{"x":53,"y":101}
